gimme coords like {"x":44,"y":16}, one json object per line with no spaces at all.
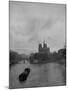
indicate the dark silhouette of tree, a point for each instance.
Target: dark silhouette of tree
{"x":62,"y":52}
{"x":13,"y":57}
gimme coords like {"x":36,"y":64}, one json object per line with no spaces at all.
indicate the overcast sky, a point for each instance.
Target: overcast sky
{"x":32,"y":23}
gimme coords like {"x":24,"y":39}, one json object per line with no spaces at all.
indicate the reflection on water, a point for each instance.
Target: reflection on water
{"x":49,"y":74}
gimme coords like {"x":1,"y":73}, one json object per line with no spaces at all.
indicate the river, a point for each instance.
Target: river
{"x":49,"y":74}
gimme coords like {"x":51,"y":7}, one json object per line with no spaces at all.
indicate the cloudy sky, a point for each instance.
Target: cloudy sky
{"x":32,"y":23}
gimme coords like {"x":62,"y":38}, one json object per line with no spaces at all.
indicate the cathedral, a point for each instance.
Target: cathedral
{"x":42,"y":48}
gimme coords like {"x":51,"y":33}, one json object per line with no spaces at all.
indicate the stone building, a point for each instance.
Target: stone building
{"x":42,"y":48}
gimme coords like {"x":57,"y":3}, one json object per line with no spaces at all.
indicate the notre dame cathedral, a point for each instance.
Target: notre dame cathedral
{"x":42,"y":48}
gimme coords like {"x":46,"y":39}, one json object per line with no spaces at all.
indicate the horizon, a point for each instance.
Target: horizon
{"x":33,"y":52}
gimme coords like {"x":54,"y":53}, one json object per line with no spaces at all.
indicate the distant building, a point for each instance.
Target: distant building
{"x":42,"y":48}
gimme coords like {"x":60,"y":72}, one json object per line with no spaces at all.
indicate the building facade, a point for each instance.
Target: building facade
{"x":42,"y":48}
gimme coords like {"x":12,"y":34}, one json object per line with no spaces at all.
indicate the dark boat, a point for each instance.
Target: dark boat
{"x":23,"y":76}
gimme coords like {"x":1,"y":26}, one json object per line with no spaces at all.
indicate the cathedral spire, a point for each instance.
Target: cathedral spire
{"x":44,"y":44}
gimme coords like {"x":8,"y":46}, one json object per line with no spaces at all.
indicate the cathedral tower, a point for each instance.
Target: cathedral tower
{"x":40,"y":47}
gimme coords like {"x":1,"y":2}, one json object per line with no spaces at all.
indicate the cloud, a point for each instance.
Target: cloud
{"x":31,"y":23}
